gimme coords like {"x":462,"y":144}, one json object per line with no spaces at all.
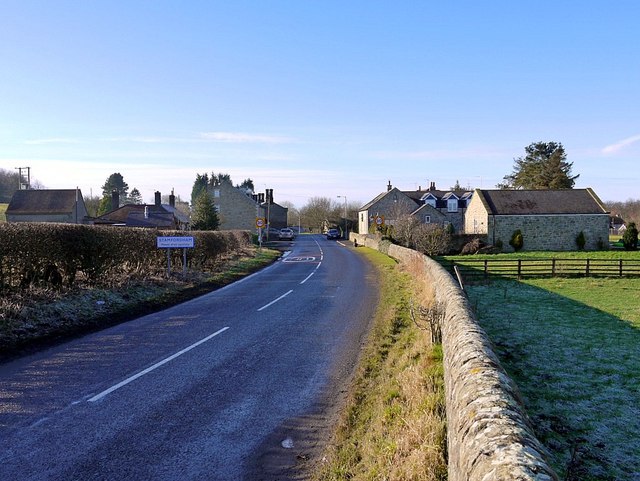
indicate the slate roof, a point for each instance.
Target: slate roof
{"x":542,"y":202}
{"x":132,"y":215}
{"x":40,"y":202}
{"x":418,"y":197}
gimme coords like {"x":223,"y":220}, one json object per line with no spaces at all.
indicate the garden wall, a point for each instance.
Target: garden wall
{"x":488,"y":433}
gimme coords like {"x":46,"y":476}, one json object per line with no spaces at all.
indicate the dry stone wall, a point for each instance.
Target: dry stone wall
{"x":489,"y":434}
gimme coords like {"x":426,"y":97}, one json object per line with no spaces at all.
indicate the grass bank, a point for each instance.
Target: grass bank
{"x":573,"y":347}
{"x":393,"y":427}
{"x":36,"y":317}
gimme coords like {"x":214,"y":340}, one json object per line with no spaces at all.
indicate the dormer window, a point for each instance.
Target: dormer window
{"x":429,"y":199}
{"x":452,"y":204}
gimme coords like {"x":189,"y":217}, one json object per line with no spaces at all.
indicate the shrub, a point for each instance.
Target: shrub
{"x":517,"y":241}
{"x":581,"y":240}
{"x":630,"y":237}
{"x":432,"y":239}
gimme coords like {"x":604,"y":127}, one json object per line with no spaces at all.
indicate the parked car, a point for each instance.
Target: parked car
{"x":286,"y":234}
{"x":333,"y":234}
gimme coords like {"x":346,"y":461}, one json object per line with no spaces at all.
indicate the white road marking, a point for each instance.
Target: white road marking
{"x":275,"y":300}
{"x":312,"y":273}
{"x":104,"y":393}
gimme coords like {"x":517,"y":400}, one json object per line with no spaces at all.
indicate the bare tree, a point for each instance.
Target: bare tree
{"x":433,"y":239}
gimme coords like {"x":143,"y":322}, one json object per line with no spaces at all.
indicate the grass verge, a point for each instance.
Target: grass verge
{"x":393,"y":427}
{"x":37,"y":317}
{"x":573,"y":347}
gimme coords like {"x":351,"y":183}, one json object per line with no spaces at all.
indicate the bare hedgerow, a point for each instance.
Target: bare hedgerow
{"x":432,"y":239}
{"x":429,"y":239}
{"x":405,"y":230}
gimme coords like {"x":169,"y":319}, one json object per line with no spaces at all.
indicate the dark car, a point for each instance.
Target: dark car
{"x":286,"y":234}
{"x":333,"y":234}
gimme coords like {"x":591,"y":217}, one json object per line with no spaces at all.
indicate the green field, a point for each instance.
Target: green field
{"x":573,"y":347}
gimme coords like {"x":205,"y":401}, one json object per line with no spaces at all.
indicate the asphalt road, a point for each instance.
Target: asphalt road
{"x":239,"y":384}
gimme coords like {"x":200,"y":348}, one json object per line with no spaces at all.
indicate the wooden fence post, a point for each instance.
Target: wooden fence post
{"x":620,"y":267}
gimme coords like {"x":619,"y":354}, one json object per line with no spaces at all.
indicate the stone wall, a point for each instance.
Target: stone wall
{"x":488,"y":433}
{"x":552,"y":232}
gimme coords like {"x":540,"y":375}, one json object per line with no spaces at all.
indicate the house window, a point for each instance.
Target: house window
{"x":430,"y":201}
{"x":427,"y":219}
{"x":216,"y":193}
{"x":452,"y":205}
{"x":361,"y":217}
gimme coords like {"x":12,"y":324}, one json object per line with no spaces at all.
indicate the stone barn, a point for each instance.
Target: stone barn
{"x":549,"y":220}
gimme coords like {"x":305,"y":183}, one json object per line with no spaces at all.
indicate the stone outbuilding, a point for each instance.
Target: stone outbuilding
{"x":47,"y":205}
{"x":548,"y":219}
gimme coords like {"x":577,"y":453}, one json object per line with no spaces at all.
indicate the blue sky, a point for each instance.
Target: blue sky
{"x":317,"y":98}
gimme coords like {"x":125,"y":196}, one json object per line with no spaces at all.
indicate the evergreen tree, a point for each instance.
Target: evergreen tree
{"x":630,"y":237}
{"x":199,"y":186}
{"x":544,"y":166}
{"x":135,"y":197}
{"x":116,"y":182}
{"x":204,"y":215}
{"x":247,"y":184}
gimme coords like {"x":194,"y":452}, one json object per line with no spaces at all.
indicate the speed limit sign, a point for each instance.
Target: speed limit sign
{"x":379,"y":220}
{"x":260,"y":222}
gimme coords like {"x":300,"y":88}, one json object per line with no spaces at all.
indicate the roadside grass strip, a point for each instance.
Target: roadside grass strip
{"x":573,"y":347}
{"x":394,"y":426}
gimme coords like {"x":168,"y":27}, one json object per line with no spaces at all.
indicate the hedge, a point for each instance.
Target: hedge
{"x":58,"y":254}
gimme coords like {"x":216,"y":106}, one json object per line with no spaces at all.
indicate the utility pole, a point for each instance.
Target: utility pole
{"x":22,"y":184}
{"x":346,"y":236}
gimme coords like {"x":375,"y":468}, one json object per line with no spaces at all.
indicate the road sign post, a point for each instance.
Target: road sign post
{"x":176,"y":242}
{"x":260,"y":224}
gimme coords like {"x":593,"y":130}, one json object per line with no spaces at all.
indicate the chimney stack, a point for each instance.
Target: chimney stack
{"x":389,"y":187}
{"x":172,"y":199}
{"x":158,"y":199}
{"x":115,"y":199}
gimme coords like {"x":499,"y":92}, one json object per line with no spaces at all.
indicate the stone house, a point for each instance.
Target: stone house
{"x":238,"y":207}
{"x":156,"y":215}
{"x":48,"y":205}
{"x":430,"y":206}
{"x":548,"y":219}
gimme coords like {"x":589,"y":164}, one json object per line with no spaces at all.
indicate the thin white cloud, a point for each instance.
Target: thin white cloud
{"x":53,"y":140}
{"x":242,"y":138}
{"x":618,"y":146}
{"x":151,"y":140}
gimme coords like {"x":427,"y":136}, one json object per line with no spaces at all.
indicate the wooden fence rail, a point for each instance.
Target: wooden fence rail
{"x":484,"y":268}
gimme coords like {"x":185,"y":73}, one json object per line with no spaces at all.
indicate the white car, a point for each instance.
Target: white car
{"x":286,"y":234}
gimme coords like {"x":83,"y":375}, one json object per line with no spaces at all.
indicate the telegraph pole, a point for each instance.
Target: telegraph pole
{"x":22,"y":185}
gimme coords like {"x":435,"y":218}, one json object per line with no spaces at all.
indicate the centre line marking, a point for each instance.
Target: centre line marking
{"x":276,"y":300}
{"x":104,"y":393}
